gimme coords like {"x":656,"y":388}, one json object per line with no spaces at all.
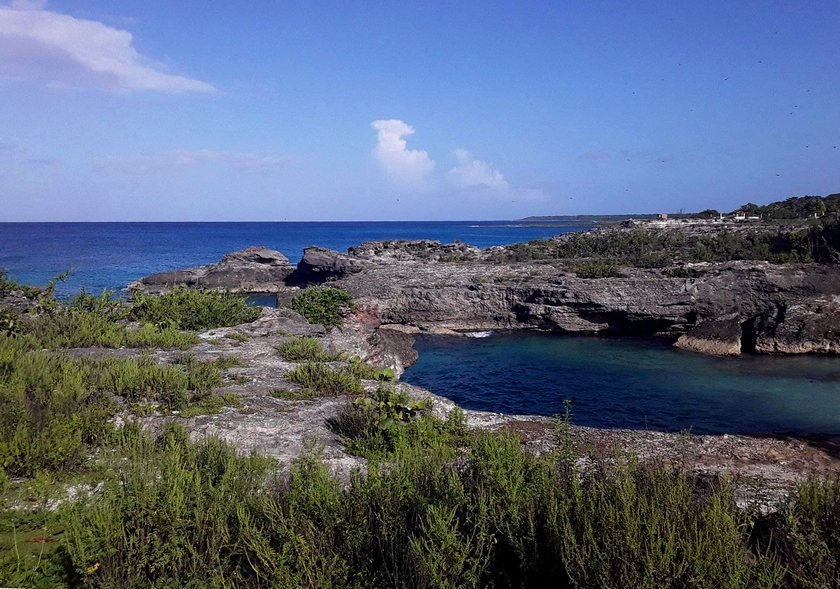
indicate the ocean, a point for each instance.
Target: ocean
{"x":110,"y":255}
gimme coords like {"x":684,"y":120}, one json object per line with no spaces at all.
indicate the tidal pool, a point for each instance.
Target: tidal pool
{"x":632,"y":383}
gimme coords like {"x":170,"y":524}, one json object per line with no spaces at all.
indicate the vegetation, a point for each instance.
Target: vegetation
{"x":795,"y":207}
{"x":323,"y":381}
{"x":193,"y":309}
{"x":54,"y":408}
{"x":183,"y":514}
{"x":658,"y":249}
{"x":305,"y":349}
{"x":364,"y":371}
{"x":596,"y":270}
{"x":323,"y":305}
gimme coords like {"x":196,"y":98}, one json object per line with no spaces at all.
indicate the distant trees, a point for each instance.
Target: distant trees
{"x":795,"y":207}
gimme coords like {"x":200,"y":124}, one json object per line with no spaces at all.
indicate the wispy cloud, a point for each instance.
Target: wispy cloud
{"x":60,"y":50}
{"x":474,"y":173}
{"x":187,"y":158}
{"x":409,"y":168}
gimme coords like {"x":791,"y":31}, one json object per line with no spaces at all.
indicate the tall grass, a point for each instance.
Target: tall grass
{"x":325,"y":381}
{"x":305,"y":349}
{"x":54,"y":408}
{"x":182,"y":513}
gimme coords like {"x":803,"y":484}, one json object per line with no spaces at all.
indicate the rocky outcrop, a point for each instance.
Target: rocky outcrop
{"x":319,"y":265}
{"x":255,"y":269}
{"x":720,"y":336}
{"x":722,"y":308}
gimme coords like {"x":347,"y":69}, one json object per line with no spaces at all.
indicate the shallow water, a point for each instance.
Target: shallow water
{"x":632,"y":383}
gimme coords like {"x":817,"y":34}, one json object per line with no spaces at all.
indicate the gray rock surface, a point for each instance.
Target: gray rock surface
{"x":319,"y":265}
{"x":723,"y":308}
{"x":255,"y":269}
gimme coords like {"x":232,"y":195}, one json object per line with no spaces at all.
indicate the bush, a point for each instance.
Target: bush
{"x":196,"y":514}
{"x":323,"y":305}
{"x":305,"y":349}
{"x":596,"y":270}
{"x":54,"y":408}
{"x":325,"y":381}
{"x":193,"y":309}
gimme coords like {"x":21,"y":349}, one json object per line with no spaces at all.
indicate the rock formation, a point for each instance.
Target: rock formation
{"x":255,"y":269}
{"x":723,"y":308}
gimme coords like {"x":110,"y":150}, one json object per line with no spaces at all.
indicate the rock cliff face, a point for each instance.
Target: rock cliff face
{"x":726,"y":308}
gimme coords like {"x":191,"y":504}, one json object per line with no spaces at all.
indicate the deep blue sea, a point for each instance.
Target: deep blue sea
{"x":624,"y":383}
{"x":632,"y":383}
{"x":110,"y":255}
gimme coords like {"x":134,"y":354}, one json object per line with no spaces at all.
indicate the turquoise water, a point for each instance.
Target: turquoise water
{"x":110,"y":255}
{"x":632,"y":383}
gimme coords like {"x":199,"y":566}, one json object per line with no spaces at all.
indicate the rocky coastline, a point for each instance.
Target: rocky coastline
{"x":726,"y":308}
{"x":403,"y":288}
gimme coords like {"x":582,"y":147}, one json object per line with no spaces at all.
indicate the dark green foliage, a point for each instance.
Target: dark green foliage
{"x":596,"y":270}
{"x":795,"y":207}
{"x":93,"y":321}
{"x":305,"y":349}
{"x":658,"y":249}
{"x":182,"y":514}
{"x":323,"y":305}
{"x":388,"y":422}
{"x":193,"y":309}
{"x":31,"y":554}
{"x":324,"y":381}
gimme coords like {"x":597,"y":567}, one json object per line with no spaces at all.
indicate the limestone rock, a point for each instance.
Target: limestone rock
{"x":319,"y":265}
{"x":255,"y":269}
{"x":720,"y":336}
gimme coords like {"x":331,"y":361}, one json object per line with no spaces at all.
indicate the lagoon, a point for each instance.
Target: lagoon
{"x":632,"y":383}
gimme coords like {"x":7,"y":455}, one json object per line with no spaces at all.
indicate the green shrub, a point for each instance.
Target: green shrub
{"x":596,"y":270}
{"x":54,"y":408}
{"x":323,"y":305}
{"x":193,"y":309}
{"x":362,"y":370}
{"x":325,"y":381}
{"x":305,"y":349}
{"x":180,"y":513}
{"x":8,"y":285}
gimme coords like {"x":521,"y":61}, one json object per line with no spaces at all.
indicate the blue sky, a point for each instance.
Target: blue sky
{"x":272,"y":110}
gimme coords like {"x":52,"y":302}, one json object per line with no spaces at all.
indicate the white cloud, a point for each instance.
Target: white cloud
{"x":37,"y":44}
{"x":473,"y":173}
{"x":408,"y":167}
{"x":186,"y":158}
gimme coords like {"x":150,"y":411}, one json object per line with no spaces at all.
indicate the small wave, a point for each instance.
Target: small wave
{"x":479,"y":334}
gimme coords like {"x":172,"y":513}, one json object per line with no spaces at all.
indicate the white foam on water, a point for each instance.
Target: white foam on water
{"x":479,"y":334}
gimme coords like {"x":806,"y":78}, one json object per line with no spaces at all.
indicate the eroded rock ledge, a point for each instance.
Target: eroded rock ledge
{"x":722,"y":308}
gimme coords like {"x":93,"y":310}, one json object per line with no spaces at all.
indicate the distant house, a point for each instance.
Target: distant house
{"x":740,"y":216}
{"x":662,"y":216}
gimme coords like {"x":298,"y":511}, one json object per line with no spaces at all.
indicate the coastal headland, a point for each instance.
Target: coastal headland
{"x":403,"y":288}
